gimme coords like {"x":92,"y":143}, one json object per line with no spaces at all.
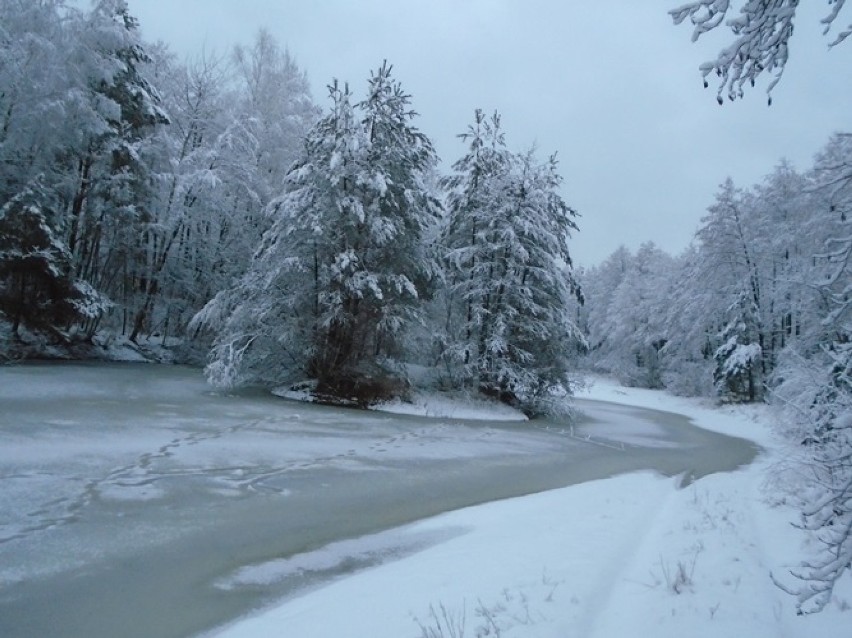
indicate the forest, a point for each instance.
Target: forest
{"x":216,"y":204}
{"x":215,"y":207}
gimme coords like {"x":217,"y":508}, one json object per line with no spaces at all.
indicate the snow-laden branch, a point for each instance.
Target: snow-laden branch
{"x":762,"y":33}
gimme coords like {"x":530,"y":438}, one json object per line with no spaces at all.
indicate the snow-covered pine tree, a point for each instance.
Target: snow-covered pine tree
{"x":342,"y":273}
{"x":506,"y":242}
{"x":530,"y":337}
{"x":397,"y":270}
{"x":472,"y":196}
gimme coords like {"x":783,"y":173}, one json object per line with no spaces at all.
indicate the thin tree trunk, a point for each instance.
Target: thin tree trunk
{"x":77,"y":203}
{"x":19,"y":310}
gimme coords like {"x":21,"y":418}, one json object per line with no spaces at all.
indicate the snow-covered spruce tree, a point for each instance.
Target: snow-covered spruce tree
{"x":510,"y":332}
{"x":38,"y":290}
{"x":343,"y":272}
{"x":472,"y":196}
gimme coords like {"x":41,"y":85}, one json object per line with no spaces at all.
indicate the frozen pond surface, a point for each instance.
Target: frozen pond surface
{"x":136,"y":501}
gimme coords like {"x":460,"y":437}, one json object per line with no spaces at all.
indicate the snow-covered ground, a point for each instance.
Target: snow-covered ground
{"x":627,"y":556}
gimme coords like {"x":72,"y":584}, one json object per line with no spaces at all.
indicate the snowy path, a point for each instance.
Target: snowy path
{"x":136,"y":502}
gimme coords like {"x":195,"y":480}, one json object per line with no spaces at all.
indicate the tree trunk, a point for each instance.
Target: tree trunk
{"x":19,"y":310}
{"x":78,"y":202}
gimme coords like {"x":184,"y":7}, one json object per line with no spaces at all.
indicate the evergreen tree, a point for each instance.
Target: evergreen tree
{"x":505,"y":241}
{"x":343,"y":272}
{"x":472,"y":193}
{"x":37,"y":287}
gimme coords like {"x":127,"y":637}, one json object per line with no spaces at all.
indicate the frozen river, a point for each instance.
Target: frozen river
{"x":133,"y":496}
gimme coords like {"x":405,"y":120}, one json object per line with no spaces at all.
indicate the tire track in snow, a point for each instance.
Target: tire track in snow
{"x":698,"y":558}
{"x":612,"y":569}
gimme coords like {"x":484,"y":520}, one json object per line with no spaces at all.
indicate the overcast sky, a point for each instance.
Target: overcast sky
{"x":610,"y":85}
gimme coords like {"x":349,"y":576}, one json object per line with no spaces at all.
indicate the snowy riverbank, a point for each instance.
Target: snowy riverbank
{"x":625,"y":556}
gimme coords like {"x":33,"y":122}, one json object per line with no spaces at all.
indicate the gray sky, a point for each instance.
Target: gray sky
{"x":611,"y":86}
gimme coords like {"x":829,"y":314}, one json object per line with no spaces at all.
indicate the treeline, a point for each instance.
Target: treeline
{"x":131,"y":185}
{"x":757,"y":309}
{"x":137,"y":193}
{"x":763,"y":283}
